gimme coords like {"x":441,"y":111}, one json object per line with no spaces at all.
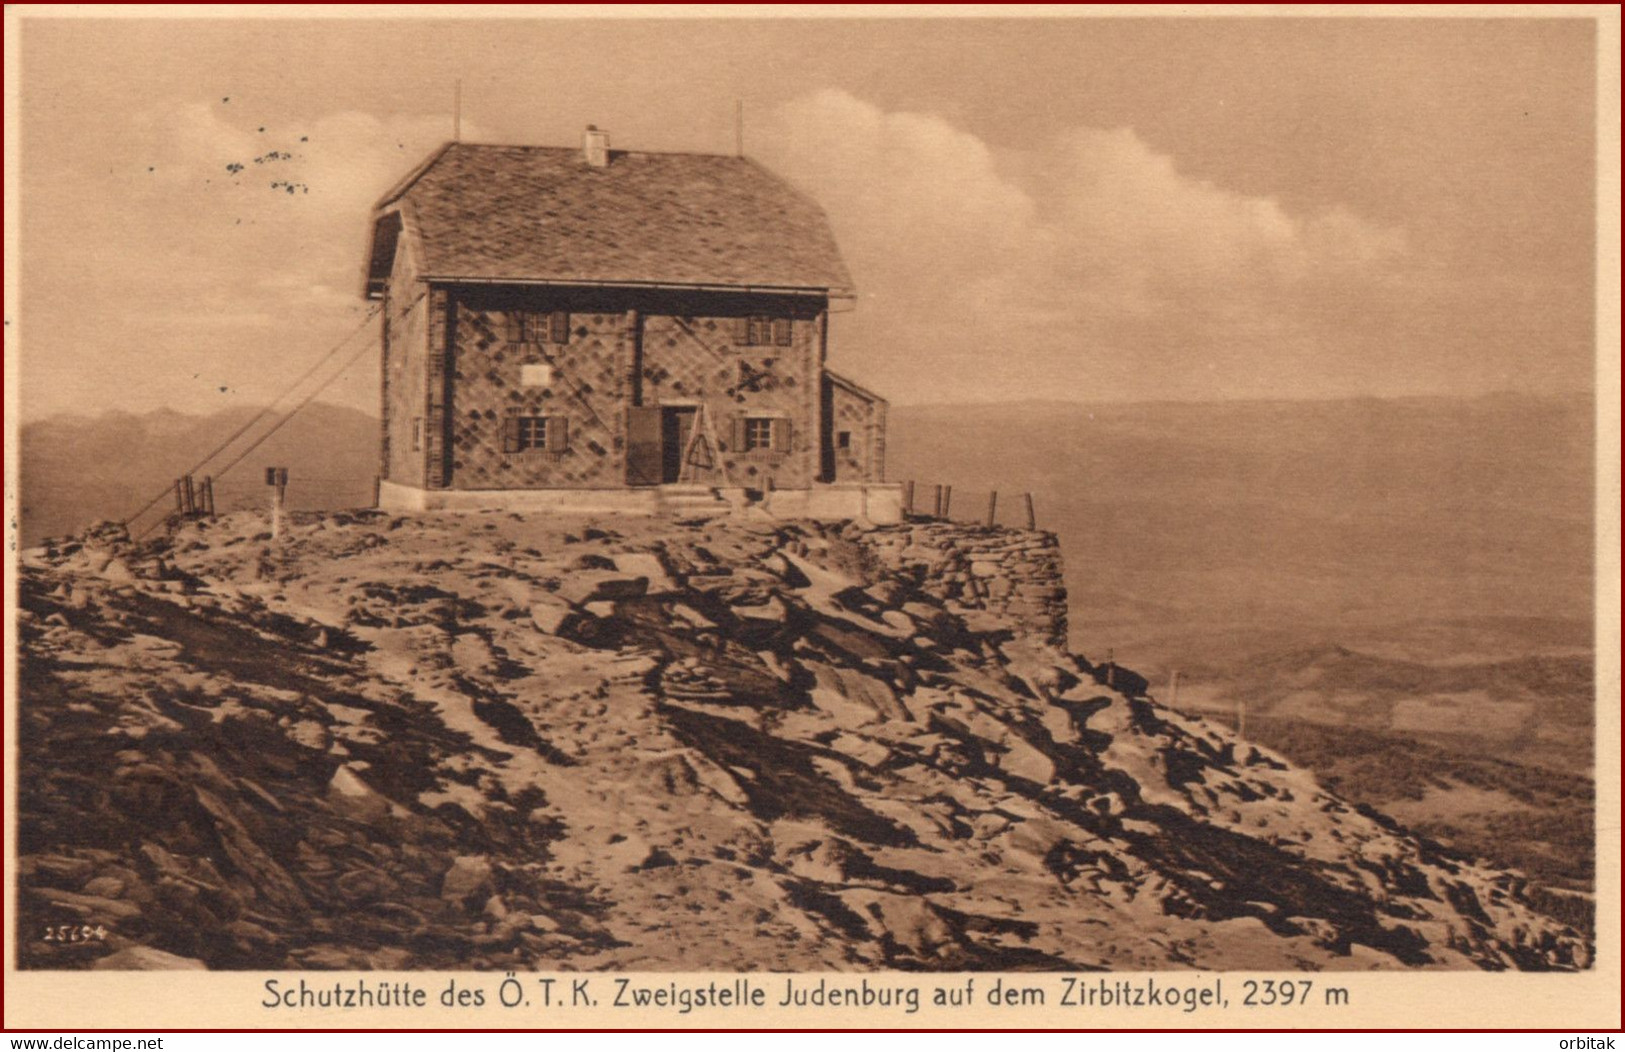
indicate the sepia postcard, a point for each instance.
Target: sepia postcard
{"x":830,"y":516}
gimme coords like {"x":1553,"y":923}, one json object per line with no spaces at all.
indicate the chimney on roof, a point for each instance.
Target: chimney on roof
{"x":595,"y":146}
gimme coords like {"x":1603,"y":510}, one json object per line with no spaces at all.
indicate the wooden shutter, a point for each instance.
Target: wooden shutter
{"x":516,"y":326}
{"x":780,"y":442}
{"x":742,"y":330}
{"x":558,"y":434}
{"x":510,"y":434}
{"x":781,"y":332}
{"x":738,"y":434}
{"x":558,"y":326}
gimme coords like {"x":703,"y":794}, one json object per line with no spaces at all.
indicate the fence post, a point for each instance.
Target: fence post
{"x":936,"y":501}
{"x":947,"y":501}
{"x":1111,"y":667}
{"x":992,"y":506}
{"x":208,"y":496}
{"x":180,"y":499}
{"x":1173,"y":688}
{"x":377,"y":485}
{"x":277,"y":479}
{"x":908,"y":497}
{"x":1032,"y":520}
{"x":191,"y":496}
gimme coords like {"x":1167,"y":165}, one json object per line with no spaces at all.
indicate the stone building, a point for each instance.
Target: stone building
{"x":607,"y":330}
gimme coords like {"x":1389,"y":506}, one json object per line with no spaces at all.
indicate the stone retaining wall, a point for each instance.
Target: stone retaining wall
{"x":1015,"y":575}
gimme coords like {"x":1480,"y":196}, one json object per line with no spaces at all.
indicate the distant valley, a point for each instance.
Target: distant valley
{"x":1397,"y":592}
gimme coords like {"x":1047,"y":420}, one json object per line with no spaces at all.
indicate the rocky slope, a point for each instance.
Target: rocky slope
{"x":493,"y":741}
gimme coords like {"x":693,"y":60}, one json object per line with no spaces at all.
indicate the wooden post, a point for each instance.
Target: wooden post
{"x":1111,"y":667}
{"x":1241,"y":718}
{"x":1032,"y":521}
{"x":208,"y":496}
{"x":992,"y":506}
{"x":377,"y":487}
{"x":277,"y":479}
{"x":191,"y":496}
{"x":1173,"y":688}
{"x":180,"y":499}
{"x":908,"y":497}
{"x":947,"y":500}
{"x":936,"y":501}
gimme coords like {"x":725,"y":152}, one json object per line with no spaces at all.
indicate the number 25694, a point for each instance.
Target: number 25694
{"x":74,"y":933}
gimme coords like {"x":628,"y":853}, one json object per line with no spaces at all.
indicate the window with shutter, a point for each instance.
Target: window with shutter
{"x":780,"y":441}
{"x":764,"y":330}
{"x":558,"y":434}
{"x":516,"y":326}
{"x":558,"y":326}
{"x":759,"y":432}
{"x":520,"y":433}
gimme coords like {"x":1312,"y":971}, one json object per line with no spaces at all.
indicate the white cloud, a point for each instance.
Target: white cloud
{"x":1092,"y":247}
{"x":280,"y":208}
{"x":203,"y":270}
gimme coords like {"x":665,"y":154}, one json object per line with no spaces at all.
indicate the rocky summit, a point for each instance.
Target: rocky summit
{"x":502,"y":741}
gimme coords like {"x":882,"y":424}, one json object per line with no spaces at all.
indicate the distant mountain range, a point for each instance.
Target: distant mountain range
{"x":76,"y":470}
{"x":1245,"y":512}
{"x":1341,"y":511}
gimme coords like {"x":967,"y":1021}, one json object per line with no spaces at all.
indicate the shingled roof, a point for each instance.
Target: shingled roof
{"x":536,"y":213}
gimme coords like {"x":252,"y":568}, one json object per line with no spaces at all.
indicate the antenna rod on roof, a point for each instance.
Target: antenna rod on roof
{"x":739,"y":127}
{"x":457,"y":112}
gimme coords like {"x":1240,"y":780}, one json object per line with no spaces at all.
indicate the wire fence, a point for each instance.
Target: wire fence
{"x":218,"y":496}
{"x":943,"y":503}
{"x":315,"y":493}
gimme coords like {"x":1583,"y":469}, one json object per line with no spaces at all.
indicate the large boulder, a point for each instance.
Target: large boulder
{"x":468,"y":877}
{"x":593,"y":585}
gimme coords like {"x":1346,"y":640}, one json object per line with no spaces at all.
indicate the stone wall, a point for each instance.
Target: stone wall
{"x":405,"y":393}
{"x":585,"y":392}
{"x":1014,"y":575}
{"x":862,"y":422}
{"x":692,"y":359}
{"x":622,"y":349}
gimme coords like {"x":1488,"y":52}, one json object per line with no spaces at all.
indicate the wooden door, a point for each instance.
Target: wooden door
{"x":643,"y":445}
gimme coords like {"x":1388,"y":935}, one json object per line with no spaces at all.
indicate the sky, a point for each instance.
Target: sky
{"x":1087,"y":209}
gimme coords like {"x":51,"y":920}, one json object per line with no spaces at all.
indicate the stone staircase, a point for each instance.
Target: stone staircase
{"x":692,"y":500}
